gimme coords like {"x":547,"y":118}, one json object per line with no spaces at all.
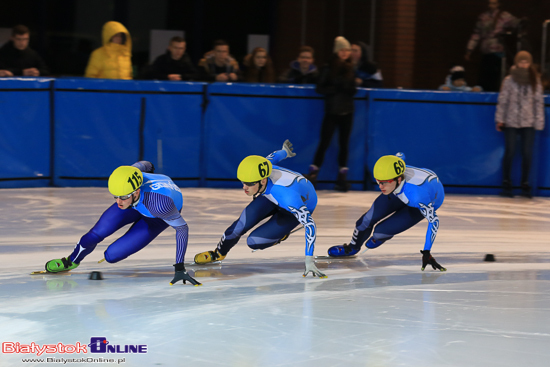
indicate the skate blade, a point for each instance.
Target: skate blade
{"x":206,"y":264}
{"x":324,"y":257}
{"x":47,"y":272}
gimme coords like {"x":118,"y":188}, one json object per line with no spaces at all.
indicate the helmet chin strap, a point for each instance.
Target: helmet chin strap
{"x":397,"y":184}
{"x":135,"y":201}
{"x":260,"y":191}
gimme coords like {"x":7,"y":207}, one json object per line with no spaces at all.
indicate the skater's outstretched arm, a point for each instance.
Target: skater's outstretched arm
{"x":287,"y":151}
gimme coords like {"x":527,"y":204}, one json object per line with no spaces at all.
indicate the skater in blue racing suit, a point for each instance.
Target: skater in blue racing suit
{"x":150,"y":203}
{"x":409,"y":195}
{"x":285,"y":197}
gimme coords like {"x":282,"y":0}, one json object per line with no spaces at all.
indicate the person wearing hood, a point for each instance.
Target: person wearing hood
{"x":303,"y":69}
{"x":18,"y":59}
{"x":367,"y":74}
{"x":175,"y":64}
{"x":520,"y":111}
{"x":114,"y":59}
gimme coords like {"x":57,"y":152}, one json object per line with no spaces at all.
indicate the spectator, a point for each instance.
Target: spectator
{"x":258,"y":67}
{"x":114,"y":59}
{"x":367,"y":74}
{"x":456,"y":81}
{"x":175,"y":64}
{"x":218,"y":66}
{"x":337,"y":84}
{"x":520,"y":111}
{"x":490,"y":27}
{"x":18,"y":59}
{"x":303,"y":69}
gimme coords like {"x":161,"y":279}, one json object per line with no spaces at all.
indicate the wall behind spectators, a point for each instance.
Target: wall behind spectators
{"x":415,"y":41}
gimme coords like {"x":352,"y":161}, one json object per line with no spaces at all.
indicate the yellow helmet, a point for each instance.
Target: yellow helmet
{"x":125,"y":180}
{"x":253,"y":169}
{"x":388,"y":167}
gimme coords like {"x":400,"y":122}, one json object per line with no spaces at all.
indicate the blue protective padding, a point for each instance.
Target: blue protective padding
{"x":98,"y":128}
{"x":143,"y":86}
{"x":451,"y":133}
{"x":241,"y":121}
{"x":173,"y":136}
{"x":25,"y":132}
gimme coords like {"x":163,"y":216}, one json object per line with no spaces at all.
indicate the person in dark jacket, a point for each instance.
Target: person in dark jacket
{"x":18,"y":59}
{"x":303,"y":69}
{"x":367,"y":74}
{"x":175,"y":64}
{"x":218,"y":65}
{"x":337,"y":83}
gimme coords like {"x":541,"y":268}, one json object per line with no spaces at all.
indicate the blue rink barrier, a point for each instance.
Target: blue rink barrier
{"x":25,"y":132}
{"x":74,"y":132}
{"x":102,"y":124}
{"x":255,"y":119}
{"x":452,"y":133}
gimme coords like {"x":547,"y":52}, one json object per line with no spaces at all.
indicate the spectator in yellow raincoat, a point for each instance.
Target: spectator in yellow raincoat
{"x":113,"y":59}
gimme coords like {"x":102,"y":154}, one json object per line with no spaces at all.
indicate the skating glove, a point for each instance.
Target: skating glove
{"x":181,"y":274}
{"x":310,"y":267}
{"x":287,"y":147}
{"x":427,"y":258}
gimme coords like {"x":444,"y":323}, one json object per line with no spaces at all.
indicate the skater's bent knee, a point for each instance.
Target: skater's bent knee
{"x":258,"y":244}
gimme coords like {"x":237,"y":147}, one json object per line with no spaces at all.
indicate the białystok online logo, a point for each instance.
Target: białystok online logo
{"x":97,"y":345}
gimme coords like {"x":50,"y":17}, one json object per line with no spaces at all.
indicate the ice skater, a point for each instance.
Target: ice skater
{"x":409,"y":194}
{"x":287,"y":197}
{"x":151,"y":203}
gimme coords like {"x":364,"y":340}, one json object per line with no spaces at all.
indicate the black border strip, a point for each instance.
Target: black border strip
{"x":107,"y":178}
{"x":268,"y":96}
{"x":52,"y":133}
{"x":125,"y":91}
{"x":25,"y":90}
{"x":434,"y":102}
{"x":237,"y":180}
{"x":25,"y":178}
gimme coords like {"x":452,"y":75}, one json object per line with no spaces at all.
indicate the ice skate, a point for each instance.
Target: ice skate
{"x":344,"y":250}
{"x":208,"y":257}
{"x":59,"y":265}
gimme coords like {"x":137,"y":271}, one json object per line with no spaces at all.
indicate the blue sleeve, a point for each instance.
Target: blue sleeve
{"x":304,"y":217}
{"x":428,"y":211}
{"x":163,"y":207}
{"x":277,"y":156}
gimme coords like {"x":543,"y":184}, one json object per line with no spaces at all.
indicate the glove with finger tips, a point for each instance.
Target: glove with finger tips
{"x":427,"y":258}
{"x":310,"y":267}
{"x":181,"y":274}
{"x":287,"y":147}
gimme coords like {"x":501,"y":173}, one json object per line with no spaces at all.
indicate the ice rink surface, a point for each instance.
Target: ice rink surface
{"x":256,"y":309}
